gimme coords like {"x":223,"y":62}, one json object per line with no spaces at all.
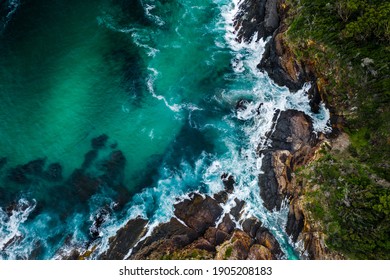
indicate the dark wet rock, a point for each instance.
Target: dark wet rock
{"x":193,"y":235}
{"x":216,"y":236}
{"x":273,"y":65}
{"x":125,"y":239}
{"x":269,"y":188}
{"x":89,"y":158}
{"x":228,"y":182}
{"x":292,"y":142}
{"x":37,"y":252}
{"x":295,"y":221}
{"x":314,"y":97}
{"x":53,"y":172}
{"x":71,"y":256}
{"x":165,"y":239}
{"x":251,"y":226}
{"x":99,"y":142}
{"x":16,"y":239}
{"x":198,"y":213}
{"x":242,"y":104}
{"x":3,"y":162}
{"x":221,"y":197}
{"x":271,"y":19}
{"x":227,"y":225}
{"x":98,"y":220}
{"x":210,"y":235}
{"x":236,"y":210}
{"x":256,"y":16}
{"x":293,"y":130}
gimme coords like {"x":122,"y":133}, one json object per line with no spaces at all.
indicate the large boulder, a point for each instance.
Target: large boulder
{"x":256,"y":17}
{"x":292,"y":145}
{"x":198,"y":213}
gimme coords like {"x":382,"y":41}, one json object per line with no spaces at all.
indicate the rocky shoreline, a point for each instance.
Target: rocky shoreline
{"x":200,"y":229}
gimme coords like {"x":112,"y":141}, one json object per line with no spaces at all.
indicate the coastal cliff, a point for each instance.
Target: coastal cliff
{"x":338,"y":202}
{"x":324,"y":179}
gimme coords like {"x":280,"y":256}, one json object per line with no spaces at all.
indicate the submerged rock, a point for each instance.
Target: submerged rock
{"x":53,"y":172}
{"x":99,"y":142}
{"x":3,"y":162}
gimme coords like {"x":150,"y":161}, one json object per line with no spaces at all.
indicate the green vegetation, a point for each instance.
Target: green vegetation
{"x":228,"y":252}
{"x":348,"y":44}
{"x":352,"y":207}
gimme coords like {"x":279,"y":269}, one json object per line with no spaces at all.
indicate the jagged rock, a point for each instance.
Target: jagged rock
{"x":227,"y":224}
{"x":198,"y":213}
{"x":242,"y":104}
{"x":265,"y":238}
{"x":228,"y":182}
{"x":165,"y":239}
{"x":316,"y":249}
{"x":292,"y":145}
{"x":100,"y":218}
{"x":314,"y":97}
{"x":251,"y":226}
{"x":256,"y":16}
{"x":295,"y":220}
{"x":125,"y":239}
{"x":202,"y":244}
{"x":293,"y":130}
{"x":269,"y":189}
{"x":279,"y":65}
{"x":236,"y":248}
{"x":221,"y":197}
{"x":236,"y":210}
{"x":259,"y":252}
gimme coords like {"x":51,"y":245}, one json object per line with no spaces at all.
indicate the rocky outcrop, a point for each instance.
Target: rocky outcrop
{"x":125,"y":239}
{"x":283,"y":67}
{"x":199,"y":230}
{"x":198,"y":213}
{"x":292,"y":144}
{"x":256,"y":17}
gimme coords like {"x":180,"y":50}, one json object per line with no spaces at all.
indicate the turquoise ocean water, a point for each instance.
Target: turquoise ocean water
{"x":155,"y":84}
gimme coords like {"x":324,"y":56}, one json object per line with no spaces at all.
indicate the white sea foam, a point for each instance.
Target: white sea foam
{"x":10,"y":227}
{"x":148,"y":8}
{"x":247,"y":129}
